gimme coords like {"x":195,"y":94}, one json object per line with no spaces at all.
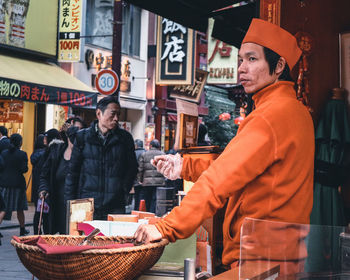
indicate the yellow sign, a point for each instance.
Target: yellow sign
{"x":222,"y":60}
{"x":69,"y":30}
{"x":29,"y":24}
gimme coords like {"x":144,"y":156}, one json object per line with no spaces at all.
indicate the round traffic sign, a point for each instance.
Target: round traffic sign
{"x":107,"y":81}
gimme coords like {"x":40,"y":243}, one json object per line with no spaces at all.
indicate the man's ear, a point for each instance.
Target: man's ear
{"x":281,"y":64}
{"x":98,"y":113}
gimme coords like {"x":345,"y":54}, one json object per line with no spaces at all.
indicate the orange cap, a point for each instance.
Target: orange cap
{"x":272,"y":36}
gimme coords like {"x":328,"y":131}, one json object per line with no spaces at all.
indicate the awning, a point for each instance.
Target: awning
{"x":42,"y":82}
{"x":232,"y":17}
{"x":129,"y":102}
{"x":132,"y":102}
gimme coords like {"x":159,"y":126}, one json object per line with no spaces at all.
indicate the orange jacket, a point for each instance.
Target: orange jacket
{"x":265,"y":172}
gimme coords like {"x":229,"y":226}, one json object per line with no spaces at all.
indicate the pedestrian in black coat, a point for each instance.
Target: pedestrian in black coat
{"x":103,"y":164}
{"x":37,"y":160}
{"x":52,"y":180}
{"x":14,"y":163}
{"x":4,"y":140}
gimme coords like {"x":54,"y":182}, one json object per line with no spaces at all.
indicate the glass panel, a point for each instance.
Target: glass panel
{"x":126,"y":29}
{"x":99,"y":27}
{"x":276,"y":250}
{"x":135,"y":27}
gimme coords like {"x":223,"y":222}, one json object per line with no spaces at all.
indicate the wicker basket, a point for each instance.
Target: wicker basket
{"x":122,"y":263}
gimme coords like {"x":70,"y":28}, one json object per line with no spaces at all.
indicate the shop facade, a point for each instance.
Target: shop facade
{"x":96,"y":54}
{"x":30,"y":79}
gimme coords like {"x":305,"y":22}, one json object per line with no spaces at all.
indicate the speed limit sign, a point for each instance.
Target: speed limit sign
{"x":107,"y":81}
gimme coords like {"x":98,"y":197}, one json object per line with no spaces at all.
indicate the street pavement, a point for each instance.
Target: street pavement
{"x":10,"y":265}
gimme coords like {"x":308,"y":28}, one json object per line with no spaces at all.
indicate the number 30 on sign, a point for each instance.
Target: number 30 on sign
{"x":107,"y":81}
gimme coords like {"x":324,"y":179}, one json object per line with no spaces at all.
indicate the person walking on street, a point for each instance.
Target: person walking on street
{"x":37,"y":160}
{"x":4,"y":140}
{"x":103,"y":164}
{"x":139,"y":150}
{"x":14,"y":163}
{"x":149,"y":177}
{"x":52,"y":180}
{"x":265,"y":172}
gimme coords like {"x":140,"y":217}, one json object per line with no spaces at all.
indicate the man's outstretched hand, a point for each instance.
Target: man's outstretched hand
{"x":147,"y":234}
{"x":168,"y":165}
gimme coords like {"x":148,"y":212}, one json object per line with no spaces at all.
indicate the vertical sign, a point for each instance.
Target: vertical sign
{"x":175,"y":53}
{"x":270,"y":10}
{"x":69,"y":30}
{"x":222,"y":60}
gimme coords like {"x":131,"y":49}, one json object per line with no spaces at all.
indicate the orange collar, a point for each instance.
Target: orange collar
{"x":281,"y":88}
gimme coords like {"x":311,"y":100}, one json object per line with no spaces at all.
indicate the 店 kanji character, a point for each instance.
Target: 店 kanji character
{"x":176,"y":55}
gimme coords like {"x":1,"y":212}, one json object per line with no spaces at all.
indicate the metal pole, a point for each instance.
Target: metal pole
{"x":190,"y":269}
{"x":117,"y":38}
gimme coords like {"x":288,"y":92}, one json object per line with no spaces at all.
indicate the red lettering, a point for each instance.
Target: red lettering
{"x":76,"y":98}
{"x":34,"y":94}
{"x":76,"y":45}
{"x":88,"y":101}
{"x":44,"y":97}
{"x":64,"y":97}
{"x":82,"y":99}
{"x":25,"y":92}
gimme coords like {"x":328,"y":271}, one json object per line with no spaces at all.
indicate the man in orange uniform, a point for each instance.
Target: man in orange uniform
{"x":266,"y":171}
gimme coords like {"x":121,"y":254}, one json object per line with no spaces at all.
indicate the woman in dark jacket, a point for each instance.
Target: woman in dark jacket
{"x":37,"y":160}
{"x":13,"y":184}
{"x":52,"y":180}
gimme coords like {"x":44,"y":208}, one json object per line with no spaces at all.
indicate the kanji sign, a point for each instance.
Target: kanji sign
{"x":107,"y":81}
{"x":222,"y":60}
{"x":175,"y":53}
{"x":190,"y":92}
{"x":31,"y":92}
{"x":69,"y":30}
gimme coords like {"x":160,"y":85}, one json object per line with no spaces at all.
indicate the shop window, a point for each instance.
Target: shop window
{"x":99,"y":26}
{"x":11,"y":116}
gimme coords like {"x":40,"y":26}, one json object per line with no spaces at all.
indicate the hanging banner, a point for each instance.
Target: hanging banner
{"x":175,"y":53}
{"x":69,"y":30}
{"x":31,"y":92}
{"x":222,"y":60}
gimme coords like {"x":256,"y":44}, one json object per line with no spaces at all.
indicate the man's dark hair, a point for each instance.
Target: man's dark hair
{"x":272,"y":60}
{"x":16,"y":142}
{"x":155,"y":144}
{"x":104,"y":102}
{"x":139,"y":143}
{"x":3,"y":130}
{"x":39,"y":142}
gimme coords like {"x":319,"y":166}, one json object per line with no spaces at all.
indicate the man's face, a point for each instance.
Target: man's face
{"x":78,"y":124}
{"x":254,"y":70}
{"x":108,"y":119}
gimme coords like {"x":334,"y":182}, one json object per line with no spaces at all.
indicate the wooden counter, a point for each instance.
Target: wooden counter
{"x":251,"y":272}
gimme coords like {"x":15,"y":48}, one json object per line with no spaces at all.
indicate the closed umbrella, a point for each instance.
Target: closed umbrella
{"x":332,"y":143}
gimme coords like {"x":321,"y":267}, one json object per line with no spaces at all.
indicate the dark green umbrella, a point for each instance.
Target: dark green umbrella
{"x":332,"y":142}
